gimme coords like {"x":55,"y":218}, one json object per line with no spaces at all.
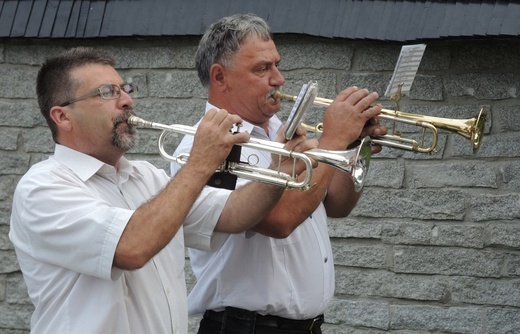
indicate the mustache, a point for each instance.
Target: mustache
{"x":127,"y":112}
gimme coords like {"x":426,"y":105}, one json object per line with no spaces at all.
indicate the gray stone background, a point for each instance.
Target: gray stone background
{"x":434,"y":243}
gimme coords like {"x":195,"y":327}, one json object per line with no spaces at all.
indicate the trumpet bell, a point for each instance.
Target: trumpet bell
{"x":471,"y":128}
{"x":360,"y":169}
{"x":477,"y":128}
{"x":355,"y":161}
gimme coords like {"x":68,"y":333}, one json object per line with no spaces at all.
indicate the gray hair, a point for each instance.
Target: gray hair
{"x":223,"y":38}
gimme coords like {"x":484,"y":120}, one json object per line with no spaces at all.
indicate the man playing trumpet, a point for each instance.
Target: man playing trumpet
{"x":100,"y":239}
{"x":278,"y":277}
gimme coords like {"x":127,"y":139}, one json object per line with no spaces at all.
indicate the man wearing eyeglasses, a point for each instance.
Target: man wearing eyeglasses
{"x":99,"y":238}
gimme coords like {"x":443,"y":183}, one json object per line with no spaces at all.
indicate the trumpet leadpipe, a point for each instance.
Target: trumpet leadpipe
{"x":182,"y":129}
{"x":318,"y":101}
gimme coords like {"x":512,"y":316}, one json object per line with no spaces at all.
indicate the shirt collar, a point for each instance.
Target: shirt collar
{"x":85,"y":166}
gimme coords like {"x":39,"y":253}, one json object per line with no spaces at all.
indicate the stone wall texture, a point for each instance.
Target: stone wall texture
{"x":433,"y":245}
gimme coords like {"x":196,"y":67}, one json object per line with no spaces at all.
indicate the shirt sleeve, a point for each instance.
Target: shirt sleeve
{"x":183,"y":147}
{"x":56,"y":220}
{"x":203,"y":217}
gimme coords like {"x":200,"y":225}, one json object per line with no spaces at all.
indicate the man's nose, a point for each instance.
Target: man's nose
{"x":277,"y":79}
{"x":125,"y":100}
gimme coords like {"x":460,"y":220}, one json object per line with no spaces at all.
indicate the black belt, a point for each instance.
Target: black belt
{"x":266,"y":320}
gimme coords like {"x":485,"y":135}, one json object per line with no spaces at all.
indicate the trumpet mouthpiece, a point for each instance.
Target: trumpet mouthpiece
{"x":277,"y":94}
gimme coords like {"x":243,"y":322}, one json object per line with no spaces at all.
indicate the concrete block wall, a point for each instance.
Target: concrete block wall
{"x":433,"y":245}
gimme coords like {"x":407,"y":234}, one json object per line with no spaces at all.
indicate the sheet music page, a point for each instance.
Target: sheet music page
{"x":406,"y":68}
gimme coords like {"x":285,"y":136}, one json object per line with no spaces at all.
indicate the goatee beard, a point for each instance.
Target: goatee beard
{"x":126,"y":138}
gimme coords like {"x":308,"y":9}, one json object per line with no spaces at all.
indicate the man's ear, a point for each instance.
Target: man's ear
{"x":60,"y":116}
{"x":217,"y":76}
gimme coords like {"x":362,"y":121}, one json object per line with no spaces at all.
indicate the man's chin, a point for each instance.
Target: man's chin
{"x":125,"y":146}
{"x":274,"y":106}
{"x":269,"y":112}
{"x":125,"y":141}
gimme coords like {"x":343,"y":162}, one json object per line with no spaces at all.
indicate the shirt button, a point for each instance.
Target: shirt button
{"x":326,"y":259}
{"x":168,"y":290}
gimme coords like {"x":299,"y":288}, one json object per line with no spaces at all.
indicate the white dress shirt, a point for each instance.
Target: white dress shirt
{"x":291,"y":277}
{"x":68,"y":214}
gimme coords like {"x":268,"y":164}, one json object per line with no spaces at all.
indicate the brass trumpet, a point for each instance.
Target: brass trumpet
{"x":354,"y":161}
{"x":472,"y":128}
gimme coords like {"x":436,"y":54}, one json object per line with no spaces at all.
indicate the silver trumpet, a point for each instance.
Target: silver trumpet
{"x":354,"y":161}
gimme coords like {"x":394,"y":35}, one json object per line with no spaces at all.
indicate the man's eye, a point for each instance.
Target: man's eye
{"x":107,"y":91}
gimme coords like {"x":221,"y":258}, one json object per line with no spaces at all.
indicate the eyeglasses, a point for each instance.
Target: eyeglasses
{"x":107,"y":92}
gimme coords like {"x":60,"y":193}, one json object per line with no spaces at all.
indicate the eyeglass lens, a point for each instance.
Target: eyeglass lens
{"x":109,"y":92}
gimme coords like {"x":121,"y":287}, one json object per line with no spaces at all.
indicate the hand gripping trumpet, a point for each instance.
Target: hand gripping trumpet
{"x":472,"y":128}
{"x":354,"y":161}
